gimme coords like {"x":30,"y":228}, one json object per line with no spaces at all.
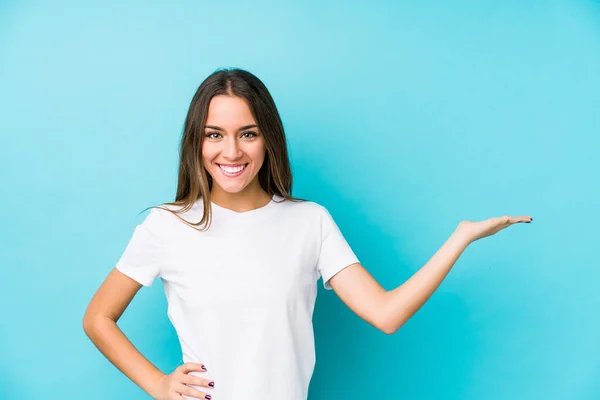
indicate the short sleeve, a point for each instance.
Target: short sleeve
{"x":141,"y":260}
{"x":335,"y":253}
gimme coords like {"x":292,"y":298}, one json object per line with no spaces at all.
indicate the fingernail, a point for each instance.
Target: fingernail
{"x":207,"y":396}
{"x":211,"y":384}
{"x":203,"y":367}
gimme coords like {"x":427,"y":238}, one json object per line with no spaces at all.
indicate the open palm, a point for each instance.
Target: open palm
{"x":480,"y":229}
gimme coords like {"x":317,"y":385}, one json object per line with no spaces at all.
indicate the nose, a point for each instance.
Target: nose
{"x":232,"y":149}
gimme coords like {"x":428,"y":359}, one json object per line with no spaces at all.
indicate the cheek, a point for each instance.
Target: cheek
{"x":208,"y":155}
{"x":258,"y":154}
{"x":208,"y":166}
{"x":258,"y":157}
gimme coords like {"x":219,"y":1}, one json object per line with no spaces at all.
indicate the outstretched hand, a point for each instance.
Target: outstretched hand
{"x":477,"y":230}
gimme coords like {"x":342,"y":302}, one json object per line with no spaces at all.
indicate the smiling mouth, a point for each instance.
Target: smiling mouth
{"x":232,"y":170}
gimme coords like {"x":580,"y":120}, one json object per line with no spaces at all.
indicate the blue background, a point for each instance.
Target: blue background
{"x":402,"y":119}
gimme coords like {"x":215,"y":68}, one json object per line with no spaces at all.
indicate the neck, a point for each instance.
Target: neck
{"x":246,"y":200}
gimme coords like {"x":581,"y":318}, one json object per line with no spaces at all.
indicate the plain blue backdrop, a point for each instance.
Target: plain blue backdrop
{"x":402,"y":118}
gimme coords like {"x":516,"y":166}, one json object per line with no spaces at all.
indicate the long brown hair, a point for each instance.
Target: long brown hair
{"x":194,"y":182}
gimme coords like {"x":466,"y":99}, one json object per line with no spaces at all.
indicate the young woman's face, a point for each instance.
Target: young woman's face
{"x":233,"y":149}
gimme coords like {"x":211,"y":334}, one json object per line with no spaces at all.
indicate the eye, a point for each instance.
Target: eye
{"x":208,"y":135}
{"x":251,"y":133}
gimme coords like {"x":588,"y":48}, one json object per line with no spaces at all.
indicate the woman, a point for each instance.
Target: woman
{"x":241,"y":282}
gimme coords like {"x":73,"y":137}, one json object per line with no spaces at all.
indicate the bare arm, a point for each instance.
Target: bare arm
{"x":389,"y":310}
{"x":403,"y":302}
{"x":100,"y":325}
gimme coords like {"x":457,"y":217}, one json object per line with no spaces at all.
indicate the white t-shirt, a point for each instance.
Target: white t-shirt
{"x":241,"y":295}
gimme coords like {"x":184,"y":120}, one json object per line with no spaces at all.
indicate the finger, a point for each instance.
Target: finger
{"x":191,"y":366}
{"x":508,"y":220}
{"x":516,"y":220}
{"x":524,"y":218}
{"x":196,"y":380}
{"x":190,"y":391}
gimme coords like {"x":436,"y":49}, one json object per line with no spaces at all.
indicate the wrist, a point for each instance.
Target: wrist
{"x":155,"y":384}
{"x":461,"y":237}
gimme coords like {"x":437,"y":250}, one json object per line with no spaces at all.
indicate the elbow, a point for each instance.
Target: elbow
{"x":389,"y":321}
{"x":87,"y":324}
{"x":390,"y":327}
{"x":385,"y":327}
{"x":90,"y":324}
{"x":388,"y":330}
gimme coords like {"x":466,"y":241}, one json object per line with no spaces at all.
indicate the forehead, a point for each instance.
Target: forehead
{"x":230,"y":111}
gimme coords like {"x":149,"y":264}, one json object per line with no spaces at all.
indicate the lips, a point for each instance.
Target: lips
{"x":232,"y":170}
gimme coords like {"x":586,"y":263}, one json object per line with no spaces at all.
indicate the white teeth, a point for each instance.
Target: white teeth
{"x":232,"y":170}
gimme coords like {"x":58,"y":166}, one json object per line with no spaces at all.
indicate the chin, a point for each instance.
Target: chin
{"x":230,"y":187}
{"x":232,"y":190}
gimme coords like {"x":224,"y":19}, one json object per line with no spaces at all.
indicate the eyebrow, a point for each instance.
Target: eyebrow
{"x":221,"y":129}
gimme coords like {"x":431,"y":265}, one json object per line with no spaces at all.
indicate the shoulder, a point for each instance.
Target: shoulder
{"x":317,"y":213}
{"x":301,"y":206}
{"x":307,"y":213}
{"x":166,"y":215}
